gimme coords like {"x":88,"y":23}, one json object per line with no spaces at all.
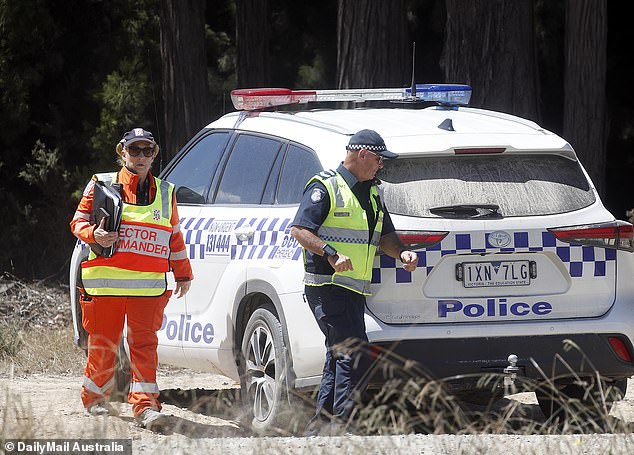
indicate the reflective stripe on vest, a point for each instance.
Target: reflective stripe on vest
{"x":141,"y":259}
{"x":354,"y":284}
{"x":346,"y":229}
{"x":116,"y":281}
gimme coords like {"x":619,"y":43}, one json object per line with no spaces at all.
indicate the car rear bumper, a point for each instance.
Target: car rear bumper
{"x":539,"y":357}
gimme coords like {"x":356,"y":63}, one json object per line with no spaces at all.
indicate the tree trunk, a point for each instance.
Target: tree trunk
{"x":585,"y":125}
{"x":184,"y":67}
{"x":252,"y":42}
{"x":372,"y":47}
{"x":489,"y":45}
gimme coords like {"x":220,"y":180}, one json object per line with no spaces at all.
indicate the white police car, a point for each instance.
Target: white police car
{"x":516,"y":251}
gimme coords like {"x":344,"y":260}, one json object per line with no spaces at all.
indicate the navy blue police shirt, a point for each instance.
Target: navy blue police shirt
{"x":315,"y":205}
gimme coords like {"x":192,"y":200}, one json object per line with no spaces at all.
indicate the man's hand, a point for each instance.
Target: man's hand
{"x":409,"y":260}
{"x":103,"y":237}
{"x":340,"y":262}
{"x":182,"y":287}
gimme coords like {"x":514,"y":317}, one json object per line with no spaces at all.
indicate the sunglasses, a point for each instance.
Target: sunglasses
{"x":380,"y":157}
{"x":135,"y":151}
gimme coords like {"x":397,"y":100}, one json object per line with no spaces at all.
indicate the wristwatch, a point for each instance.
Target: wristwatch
{"x":328,"y":250}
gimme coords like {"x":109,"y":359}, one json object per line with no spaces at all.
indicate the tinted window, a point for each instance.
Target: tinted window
{"x":193,"y":173}
{"x":300,"y":165}
{"x":247,"y":170}
{"x":519,"y":184}
{"x":271,"y":185}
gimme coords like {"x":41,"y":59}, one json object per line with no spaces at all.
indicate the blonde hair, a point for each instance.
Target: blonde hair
{"x":119,"y":150}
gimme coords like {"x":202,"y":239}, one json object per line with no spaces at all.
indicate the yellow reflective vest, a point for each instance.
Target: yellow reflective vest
{"x":141,"y":259}
{"x":346,"y":229}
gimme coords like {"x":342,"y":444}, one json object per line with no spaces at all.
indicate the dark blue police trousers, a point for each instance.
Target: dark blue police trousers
{"x":339,"y":314}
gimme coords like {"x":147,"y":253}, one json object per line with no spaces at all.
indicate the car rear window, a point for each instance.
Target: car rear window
{"x":520,"y":185}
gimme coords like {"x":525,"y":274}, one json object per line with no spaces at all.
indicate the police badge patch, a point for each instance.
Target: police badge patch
{"x":317,"y":195}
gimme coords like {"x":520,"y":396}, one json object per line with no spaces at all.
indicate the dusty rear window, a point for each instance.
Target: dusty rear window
{"x":521,"y":185}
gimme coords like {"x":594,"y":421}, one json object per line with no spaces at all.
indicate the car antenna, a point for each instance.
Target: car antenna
{"x":158,"y":129}
{"x":412,"y":98}
{"x":413,"y":71}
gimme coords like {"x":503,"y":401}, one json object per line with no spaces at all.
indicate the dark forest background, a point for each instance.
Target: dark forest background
{"x":74,"y":75}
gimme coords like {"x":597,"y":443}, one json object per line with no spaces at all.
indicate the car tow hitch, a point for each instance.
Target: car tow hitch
{"x":510,"y":374}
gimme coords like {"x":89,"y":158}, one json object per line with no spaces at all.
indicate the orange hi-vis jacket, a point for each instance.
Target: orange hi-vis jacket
{"x":140,"y":232}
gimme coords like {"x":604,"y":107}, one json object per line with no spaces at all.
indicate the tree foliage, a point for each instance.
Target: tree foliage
{"x":128,"y":93}
{"x":36,"y":235}
{"x":62,"y":65}
{"x":74,"y":75}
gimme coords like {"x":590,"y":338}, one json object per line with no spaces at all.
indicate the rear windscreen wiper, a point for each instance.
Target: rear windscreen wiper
{"x":467,"y":211}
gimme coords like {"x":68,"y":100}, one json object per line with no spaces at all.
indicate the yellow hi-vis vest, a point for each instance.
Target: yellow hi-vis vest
{"x":140,"y":262}
{"x":346,"y":229}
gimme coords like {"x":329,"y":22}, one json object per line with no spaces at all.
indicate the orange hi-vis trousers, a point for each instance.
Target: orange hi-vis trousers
{"x":104,"y":318}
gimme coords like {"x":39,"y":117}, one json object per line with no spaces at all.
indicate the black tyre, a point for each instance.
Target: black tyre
{"x":82,"y":340}
{"x":122,"y":375}
{"x":621,"y":386}
{"x":264,"y":372}
{"x":585,"y":406}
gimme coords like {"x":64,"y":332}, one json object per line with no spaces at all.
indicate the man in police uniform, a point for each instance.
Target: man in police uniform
{"x":340,"y":222}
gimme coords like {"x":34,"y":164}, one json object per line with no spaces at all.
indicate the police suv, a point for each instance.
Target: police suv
{"x":517,"y":255}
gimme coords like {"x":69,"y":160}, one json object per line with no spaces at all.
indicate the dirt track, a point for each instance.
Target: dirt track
{"x":46,"y":406}
{"x":205,"y":416}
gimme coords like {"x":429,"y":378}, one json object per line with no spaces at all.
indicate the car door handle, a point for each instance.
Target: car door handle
{"x":244,"y":233}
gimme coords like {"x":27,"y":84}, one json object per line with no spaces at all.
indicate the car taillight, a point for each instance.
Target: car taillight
{"x":620,"y":348}
{"x":615,"y":234}
{"x":414,"y":240}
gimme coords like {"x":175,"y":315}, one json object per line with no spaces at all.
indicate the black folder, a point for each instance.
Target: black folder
{"x":107,"y":204}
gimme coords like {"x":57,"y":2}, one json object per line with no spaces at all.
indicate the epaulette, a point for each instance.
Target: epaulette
{"x":327,"y":174}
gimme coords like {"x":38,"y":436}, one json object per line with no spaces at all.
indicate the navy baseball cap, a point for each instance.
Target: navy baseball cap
{"x":135,"y":135}
{"x":371,"y":140}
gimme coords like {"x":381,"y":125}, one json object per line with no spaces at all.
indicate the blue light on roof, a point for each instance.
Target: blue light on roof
{"x":450,"y":94}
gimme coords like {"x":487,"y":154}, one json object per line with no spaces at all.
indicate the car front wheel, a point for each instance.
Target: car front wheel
{"x":264,"y":372}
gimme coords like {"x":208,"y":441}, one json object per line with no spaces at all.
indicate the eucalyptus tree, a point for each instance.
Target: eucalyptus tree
{"x":490,"y":45}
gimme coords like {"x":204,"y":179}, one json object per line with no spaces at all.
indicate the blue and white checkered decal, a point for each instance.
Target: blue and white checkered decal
{"x":581,"y":260}
{"x":207,"y":237}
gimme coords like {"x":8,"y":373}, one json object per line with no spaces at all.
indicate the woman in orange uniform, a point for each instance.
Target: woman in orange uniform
{"x":132,"y":282}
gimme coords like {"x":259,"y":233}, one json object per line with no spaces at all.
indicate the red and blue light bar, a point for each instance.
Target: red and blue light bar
{"x":262,"y":98}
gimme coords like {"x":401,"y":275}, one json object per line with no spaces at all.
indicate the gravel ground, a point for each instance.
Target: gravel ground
{"x":48,"y":406}
{"x":405,"y":444}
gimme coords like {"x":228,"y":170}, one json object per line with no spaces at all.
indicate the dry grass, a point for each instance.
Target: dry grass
{"x":409,"y":403}
{"x":35,"y":304}
{"x":39,"y":350}
{"x":35,"y":329}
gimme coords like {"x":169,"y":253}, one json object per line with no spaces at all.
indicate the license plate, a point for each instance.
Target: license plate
{"x":495,"y":273}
